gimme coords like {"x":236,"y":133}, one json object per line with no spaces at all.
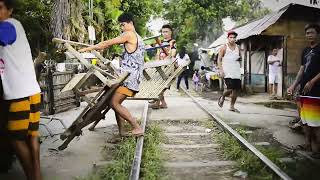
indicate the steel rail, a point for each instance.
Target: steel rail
{"x":243,"y":141}
{"x":135,"y":169}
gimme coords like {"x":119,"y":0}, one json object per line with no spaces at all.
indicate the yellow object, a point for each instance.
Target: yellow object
{"x":94,"y":61}
{"x":214,"y":77}
{"x":210,"y":52}
{"x":125,"y":91}
{"x":24,"y":117}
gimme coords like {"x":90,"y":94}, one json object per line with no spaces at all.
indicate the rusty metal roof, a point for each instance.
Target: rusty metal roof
{"x":252,"y":28}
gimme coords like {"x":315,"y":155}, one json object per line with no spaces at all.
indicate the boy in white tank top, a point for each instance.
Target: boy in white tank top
{"x":229,"y":69}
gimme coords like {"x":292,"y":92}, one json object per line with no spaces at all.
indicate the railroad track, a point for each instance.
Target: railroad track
{"x":135,"y":168}
{"x":200,"y":154}
{"x":226,"y":128}
{"x":190,"y":152}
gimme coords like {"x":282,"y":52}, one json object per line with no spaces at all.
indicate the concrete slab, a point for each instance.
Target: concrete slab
{"x":190,"y":146}
{"x":188,"y":164}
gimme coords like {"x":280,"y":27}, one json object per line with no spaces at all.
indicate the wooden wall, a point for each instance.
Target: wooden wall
{"x":291,"y":25}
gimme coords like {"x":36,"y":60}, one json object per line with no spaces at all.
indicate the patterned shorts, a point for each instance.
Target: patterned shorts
{"x":23,"y":117}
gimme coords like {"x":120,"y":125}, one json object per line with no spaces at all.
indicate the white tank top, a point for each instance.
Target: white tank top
{"x":17,"y":70}
{"x":230,"y":63}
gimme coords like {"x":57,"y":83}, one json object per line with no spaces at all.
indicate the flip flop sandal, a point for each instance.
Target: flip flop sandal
{"x":154,"y":106}
{"x":296,"y":120}
{"x":136,"y":135}
{"x":163,"y":107}
{"x":234,"y":110}
{"x":295,"y":126}
{"x":220,"y":102}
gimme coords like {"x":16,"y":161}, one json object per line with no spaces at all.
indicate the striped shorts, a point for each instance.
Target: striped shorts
{"x":23,"y":117}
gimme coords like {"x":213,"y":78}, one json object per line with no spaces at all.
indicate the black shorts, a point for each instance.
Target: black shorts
{"x":234,"y":84}
{"x":314,"y":92}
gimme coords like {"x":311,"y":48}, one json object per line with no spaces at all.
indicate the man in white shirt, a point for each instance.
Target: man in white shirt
{"x":274,"y":67}
{"x":183,"y":58}
{"x":21,"y":91}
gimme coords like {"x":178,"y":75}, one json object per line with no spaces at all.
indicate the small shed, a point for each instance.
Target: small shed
{"x":284,"y":30}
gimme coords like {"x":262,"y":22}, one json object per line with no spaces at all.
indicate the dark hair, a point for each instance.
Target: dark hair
{"x":232,"y":33}
{"x":182,"y":52}
{"x":9,"y":3}
{"x":126,"y":17}
{"x":167,"y":26}
{"x":312,"y":26}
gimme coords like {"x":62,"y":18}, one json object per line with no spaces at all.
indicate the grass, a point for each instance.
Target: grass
{"x":247,"y":161}
{"x":123,"y":154}
{"x":152,"y":163}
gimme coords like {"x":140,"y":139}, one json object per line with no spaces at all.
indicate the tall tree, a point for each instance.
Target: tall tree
{"x":70,"y":18}
{"x":143,"y":10}
{"x":195,"y":20}
{"x":67,"y":21}
{"x":34,"y":15}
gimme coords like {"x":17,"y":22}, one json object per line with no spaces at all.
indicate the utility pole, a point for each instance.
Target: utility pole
{"x":91,"y":30}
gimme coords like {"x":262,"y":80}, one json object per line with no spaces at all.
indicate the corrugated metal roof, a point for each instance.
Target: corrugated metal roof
{"x":253,"y":28}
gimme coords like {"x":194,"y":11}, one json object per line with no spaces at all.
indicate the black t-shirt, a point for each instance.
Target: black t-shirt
{"x":311,"y":61}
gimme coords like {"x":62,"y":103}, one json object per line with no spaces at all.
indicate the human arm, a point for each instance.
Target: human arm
{"x":270,"y":61}
{"x":307,"y":88}
{"x":173,"y":48}
{"x":125,"y":37}
{"x":220,"y":56}
{"x":240,"y":58}
{"x":297,"y":81}
{"x":173,"y":53}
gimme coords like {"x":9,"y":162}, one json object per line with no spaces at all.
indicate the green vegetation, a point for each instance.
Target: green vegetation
{"x":247,"y":161}
{"x":197,"y":21}
{"x":123,"y":154}
{"x":34,"y":15}
{"x":45,"y":19}
{"x":193,"y":20}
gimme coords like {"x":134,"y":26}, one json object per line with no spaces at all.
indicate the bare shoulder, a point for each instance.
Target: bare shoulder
{"x":130,"y":36}
{"x":223,"y":48}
